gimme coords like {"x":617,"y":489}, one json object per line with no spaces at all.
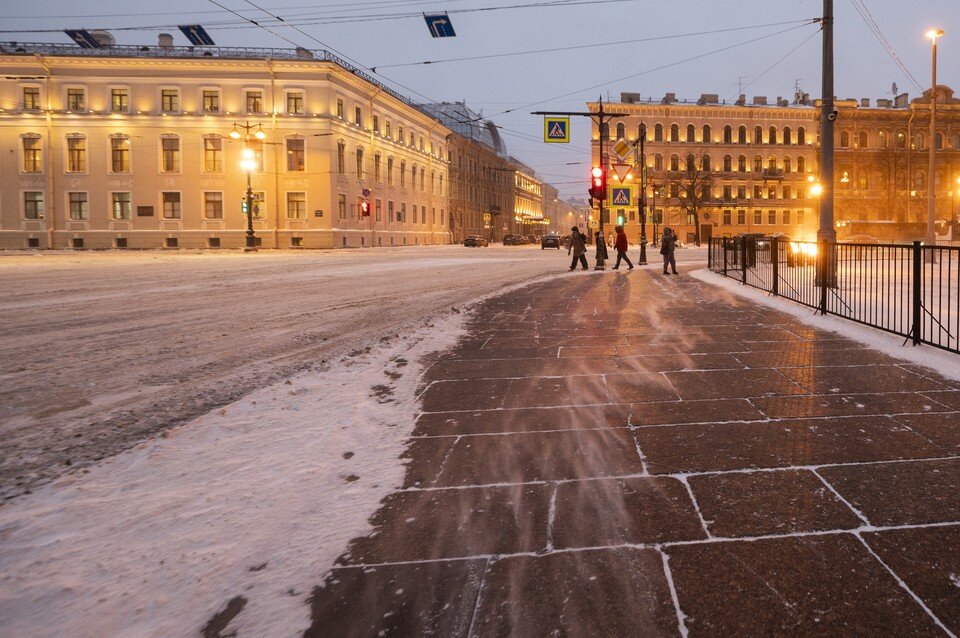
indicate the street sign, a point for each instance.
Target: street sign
{"x":196,"y":34}
{"x":439,"y":25}
{"x":486,"y":220}
{"x":365,"y":192}
{"x":622,"y":196}
{"x":556,"y":130}
{"x":622,"y":149}
{"x":83,"y":38}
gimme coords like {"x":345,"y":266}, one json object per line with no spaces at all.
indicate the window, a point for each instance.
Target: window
{"x":758,"y":135}
{"x":253,"y":99}
{"x":674,"y":163}
{"x":801,"y":135}
{"x":674,"y":190}
{"x":727,"y":163}
{"x":340,"y":108}
{"x":389,"y":171}
{"x":844,"y":139}
{"x":78,"y":206}
{"x":786,"y":194}
{"x":786,"y":165}
{"x":402,"y":213}
{"x":413,"y":177}
{"x":295,"y":103}
{"x":257,"y":147}
{"x":772,"y":164}
{"x":691,"y":133}
{"x":742,"y":163}
{"x":440,"y":191}
{"x":376,"y":167}
{"x":758,"y":217}
{"x":341,"y":157}
{"x":771,"y":217}
{"x":862,"y":139}
{"x":358,"y":116}
{"x":32,"y":154}
{"x":691,"y":163}
{"x":376,"y":124}
{"x":658,"y":162}
{"x":621,"y":131}
{"x":120,"y":100}
{"x":120,"y":205}
{"x":386,"y":130}
{"x":433,"y":182}
{"x":33,"y":205}
{"x":726,"y":217}
{"x":171,"y":205}
{"x":727,"y":134}
{"x":772,"y":135}
{"x":728,"y":192}
{"x":76,"y":154}
{"x":741,"y":217}
{"x":170,"y":100}
{"x":297,"y":205}
{"x":786,"y":217}
{"x":757,"y":164}
{"x":295,"y":154}
{"x":674,"y":133}
{"x":403,"y":174}
{"x":119,"y":154}
{"x":390,"y":213}
{"x":800,"y":217}
{"x":862,"y":181}
{"x":741,"y":192}
{"x":771,"y":192}
{"x":801,"y":164}
{"x":171,"y":154}
{"x":757,"y":191}
{"x":658,"y":133}
{"x":31,"y":98}
{"x":341,"y":206}
{"x":378,"y":209}
{"x":742,"y":135}
{"x":210,"y":100}
{"x":883,"y":139}
{"x":76,"y":99}
{"x":901,"y":140}
{"x":259,"y":204}
{"x":423,"y":179}
{"x":786,"y":135}
{"x":707,"y":138}
{"x":213,"y":205}
{"x":400,"y":134}
{"x":359,"y":163}
{"x":411,"y":139}
{"x":212,"y":155}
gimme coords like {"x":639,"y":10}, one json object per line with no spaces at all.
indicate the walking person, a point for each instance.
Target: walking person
{"x":668,"y":243}
{"x":621,"y":246}
{"x":578,"y":245}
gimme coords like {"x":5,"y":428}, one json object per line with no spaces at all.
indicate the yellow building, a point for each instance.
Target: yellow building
{"x":131,"y":147}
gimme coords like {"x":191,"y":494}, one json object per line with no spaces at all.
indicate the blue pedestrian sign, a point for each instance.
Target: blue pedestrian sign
{"x":439,"y":25}
{"x":196,"y":34}
{"x":556,"y":130}
{"x":83,"y":38}
{"x":621,"y":197}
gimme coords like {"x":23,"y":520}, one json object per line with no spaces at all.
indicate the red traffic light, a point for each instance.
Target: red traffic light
{"x":364,"y":208}
{"x":598,"y":182}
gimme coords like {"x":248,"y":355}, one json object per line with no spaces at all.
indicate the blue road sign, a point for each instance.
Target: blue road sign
{"x":439,"y":25}
{"x":196,"y":34}
{"x":83,"y":38}
{"x":621,"y":197}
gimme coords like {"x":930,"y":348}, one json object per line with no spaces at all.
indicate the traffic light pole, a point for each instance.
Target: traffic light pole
{"x":601,"y":117}
{"x":642,"y":202}
{"x":251,"y":241}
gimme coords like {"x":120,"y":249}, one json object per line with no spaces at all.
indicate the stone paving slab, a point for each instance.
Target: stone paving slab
{"x":632,"y":455}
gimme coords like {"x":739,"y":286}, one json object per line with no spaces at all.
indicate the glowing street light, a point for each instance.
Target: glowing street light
{"x":248,"y":162}
{"x":933,"y":34}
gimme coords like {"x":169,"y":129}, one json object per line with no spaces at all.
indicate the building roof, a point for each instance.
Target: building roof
{"x":463,"y":121}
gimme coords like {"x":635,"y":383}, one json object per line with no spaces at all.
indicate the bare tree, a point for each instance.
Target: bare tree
{"x":691,"y":186}
{"x":890,"y":165}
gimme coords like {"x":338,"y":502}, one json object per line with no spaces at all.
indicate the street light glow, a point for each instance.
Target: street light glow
{"x":816,"y":190}
{"x":933,"y":34}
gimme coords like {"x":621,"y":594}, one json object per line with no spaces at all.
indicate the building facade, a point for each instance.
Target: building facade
{"x":131,"y":147}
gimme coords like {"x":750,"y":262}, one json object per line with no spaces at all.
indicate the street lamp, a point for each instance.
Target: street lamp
{"x":248,"y":162}
{"x":933,"y":34}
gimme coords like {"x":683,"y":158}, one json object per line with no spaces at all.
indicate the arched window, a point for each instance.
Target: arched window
{"x":787,"y":135}
{"x":772,"y":163}
{"x":758,"y":135}
{"x":786,"y":164}
{"x":707,"y":139}
{"x":901,"y":139}
{"x":862,"y":139}
{"x":919,"y":141}
{"x":727,"y":134}
{"x":727,"y":163}
{"x":742,"y":163}
{"x":658,"y":162}
{"x":801,"y":164}
{"x":658,"y":133}
{"x":674,"y":163}
{"x":757,"y":164}
{"x":621,"y":131}
{"x":801,"y":135}
{"x":742,"y":135}
{"x":359,"y":162}
{"x":844,"y":139}
{"x":938,"y":141}
{"x":691,"y":133}
{"x":605,"y":131}
{"x":705,"y":163}
{"x":674,"y":133}
{"x":691,"y":162}
{"x":882,"y":137}
{"x":772,"y":135}
{"x":955,"y":141}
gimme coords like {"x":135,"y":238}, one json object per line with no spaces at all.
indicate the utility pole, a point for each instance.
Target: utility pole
{"x":828,"y":115}
{"x":642,"y":202}
{"x":600,"y":117}
{"x":931,"y":239}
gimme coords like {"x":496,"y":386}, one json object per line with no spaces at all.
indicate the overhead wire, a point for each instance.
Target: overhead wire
{"x":771,"y":67}
{"x":867,"y":17}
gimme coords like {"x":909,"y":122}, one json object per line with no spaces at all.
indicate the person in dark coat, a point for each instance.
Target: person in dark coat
{"x":668,"y":243}
{"x":578,"y":245}
{"x":621,"y":246}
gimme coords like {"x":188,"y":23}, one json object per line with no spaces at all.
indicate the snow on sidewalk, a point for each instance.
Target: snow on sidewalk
{"x":256,"y":500}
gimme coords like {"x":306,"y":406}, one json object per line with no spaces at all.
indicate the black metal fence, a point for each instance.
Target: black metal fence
{"x":909,"y":290}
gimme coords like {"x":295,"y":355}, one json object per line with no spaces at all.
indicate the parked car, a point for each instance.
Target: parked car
{"x":475,"y":241}
{"x":520,"y":240}
{"x":550,"y":241}
{"x":509,"y":240}
{"x":565,"y":241}
{"x":532,"y":239}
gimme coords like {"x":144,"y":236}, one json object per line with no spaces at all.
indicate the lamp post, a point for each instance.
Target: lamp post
{"x":933,"y":34}
{"x":248,"y":162}
{"x":643,"y":198}
{"x":653,"y":210}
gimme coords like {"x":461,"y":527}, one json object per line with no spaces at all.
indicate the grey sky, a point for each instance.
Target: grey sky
{"x":863,"y":67}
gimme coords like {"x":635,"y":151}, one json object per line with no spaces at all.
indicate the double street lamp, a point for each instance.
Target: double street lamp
{"x":248,"y":162}
{"x":933,"y":34}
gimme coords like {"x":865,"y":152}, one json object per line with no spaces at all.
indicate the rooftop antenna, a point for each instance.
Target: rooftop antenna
{"x":797,"y":92}
{"x":740,"y":79}
{"x":894,"y":90}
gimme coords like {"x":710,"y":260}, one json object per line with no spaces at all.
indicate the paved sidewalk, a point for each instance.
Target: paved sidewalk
{"x":628,"y":454}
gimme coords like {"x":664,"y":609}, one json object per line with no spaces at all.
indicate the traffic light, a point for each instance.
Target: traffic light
{"x":365,"y":208}
{"x":621,"y":219}
{"x":243,"y":206}
{"x":598,"y":182}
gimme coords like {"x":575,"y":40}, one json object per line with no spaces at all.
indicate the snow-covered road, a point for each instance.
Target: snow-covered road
{"x":99,"y":351}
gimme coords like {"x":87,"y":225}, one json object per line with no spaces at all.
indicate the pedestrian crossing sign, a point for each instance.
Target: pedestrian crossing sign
{"x":621,"y":196}
{"x":556,"y":130}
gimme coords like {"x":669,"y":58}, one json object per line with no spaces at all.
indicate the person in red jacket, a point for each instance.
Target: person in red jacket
{"x":621,"y":246}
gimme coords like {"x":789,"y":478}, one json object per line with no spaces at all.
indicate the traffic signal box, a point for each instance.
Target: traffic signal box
{"x":598,"y":182}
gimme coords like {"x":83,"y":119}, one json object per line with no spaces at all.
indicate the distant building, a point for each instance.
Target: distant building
{"x":130,"y":146}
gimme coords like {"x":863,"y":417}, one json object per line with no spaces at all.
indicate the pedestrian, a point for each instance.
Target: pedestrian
{"x":668,"y":243}
{"x":578,"y":245}
{"x":621,"y":246}
{"x":610,"y":240}
{"x":601,"y":250}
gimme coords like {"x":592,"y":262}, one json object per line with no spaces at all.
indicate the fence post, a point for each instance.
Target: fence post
{"x":822,"y":257}
{"x":917,"y":278}
{"x":775,"y":257}
{"x":743,"y":260}
{"x":726,"y":245}
{"x":710,"y":245}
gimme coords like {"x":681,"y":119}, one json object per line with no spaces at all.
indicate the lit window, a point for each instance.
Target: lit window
{"x":171,"y":205}
{"x":32,"y":154}
{"x":33,"y":205}
{"x":76,"y":99}
{"x":295,"y":103}
{"x":120,"y":205}
{"x":170,"y":100}
{"x":119,"y":100}
{"x":213,"y":205}
{"x":120,"y":154}
{"x":211,"y":101}
{"x":295,"y":155}
{"x":212,"y":155}
{"x":31,"y":98}
{"x":171,"y":154}
{"x":254,"y":100}
{"x":78,"y":206}
{"x":76,"y":154}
